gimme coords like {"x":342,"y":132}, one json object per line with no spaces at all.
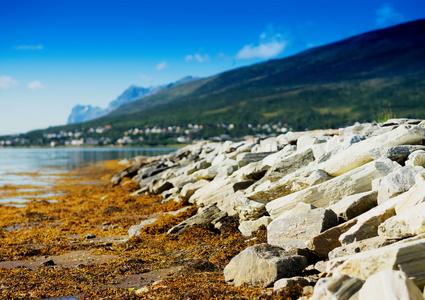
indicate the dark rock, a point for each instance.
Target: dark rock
{"x":209,"y":214}
{"x":396,"y":153}
{"x":130,"y":171}
{"x":246,"y":158}
{"x":46,"y":263}
{"x":328,"y":240}
{"x":160,"y":186}
{"x":242,"y":185}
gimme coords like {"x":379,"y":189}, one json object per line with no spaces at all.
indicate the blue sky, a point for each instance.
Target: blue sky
{"x":55,"y":54}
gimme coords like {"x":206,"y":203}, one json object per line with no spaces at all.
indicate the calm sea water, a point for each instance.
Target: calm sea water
{"x":47,"y":161}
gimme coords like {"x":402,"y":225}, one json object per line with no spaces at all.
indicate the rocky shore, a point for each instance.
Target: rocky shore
{"x":344,"y":209}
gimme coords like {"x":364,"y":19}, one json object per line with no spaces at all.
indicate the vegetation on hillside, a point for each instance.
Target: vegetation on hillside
{"x":364,"y":78}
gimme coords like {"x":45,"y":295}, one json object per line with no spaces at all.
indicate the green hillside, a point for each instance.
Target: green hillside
{"x":357,"y":79}
{"x":367,"y":77}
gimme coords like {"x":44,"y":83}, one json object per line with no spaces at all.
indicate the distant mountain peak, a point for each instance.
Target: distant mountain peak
{"x":83,"y":113}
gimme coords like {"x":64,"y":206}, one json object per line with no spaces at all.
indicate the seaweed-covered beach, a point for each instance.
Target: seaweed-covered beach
{"x":75,"y":242}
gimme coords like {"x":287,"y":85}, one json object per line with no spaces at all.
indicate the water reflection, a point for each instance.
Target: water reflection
{"x":14,"y":200}
{"x":34,"y":169}
{"x":31,"y":160}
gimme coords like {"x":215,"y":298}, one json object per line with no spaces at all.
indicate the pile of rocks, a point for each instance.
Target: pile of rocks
{"x":344,"y":209}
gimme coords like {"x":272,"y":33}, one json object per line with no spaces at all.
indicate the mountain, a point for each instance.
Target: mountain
{"x":372,"y":76}
{"x":363,"y":78}
{"x":84,"y":113}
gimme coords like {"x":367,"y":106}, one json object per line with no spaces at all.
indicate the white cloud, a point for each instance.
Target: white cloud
{"x":35,"y":85}
{"x":6,"y":82}
{"x":271,"y":44}
{"x":29,"y":47}
{"x":188,"y":58}
{"x":198,"y":57}
{"x":387,"y":15}
{"x":202,"y":58}
{"x":162,"y":66}
{"x":264,"y":50}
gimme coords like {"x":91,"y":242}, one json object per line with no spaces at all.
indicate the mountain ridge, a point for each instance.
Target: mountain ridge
{"x":83,"y":113}
{"x":366,"y":64}
{"x":369,"y":77}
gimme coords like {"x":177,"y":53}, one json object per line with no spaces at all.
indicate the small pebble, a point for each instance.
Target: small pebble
{"x":308,"y":290}
{"x":90,"y":236}
{"x":49,"y":262}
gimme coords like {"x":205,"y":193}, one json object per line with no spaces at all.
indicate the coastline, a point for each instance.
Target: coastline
{"x":306,"y":214}
{"x":110,"y":263}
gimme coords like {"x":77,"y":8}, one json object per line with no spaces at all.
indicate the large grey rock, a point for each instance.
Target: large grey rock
{"x":248,"y":209}
{"x":152,"y":170}
{"x":270,"y":144}
{"x":253,"y":171}
{"x":328,"y":240}
{"x":365,"y":129}
{"x":412,"y":197}
{"x":390,"y":285}
{"x":411,"y":222}
{"x":290,"y":164}
{"x":241,"y":147}
{"x":209,"y":214}
{"x":359,"y":246}
{"x":293,"y":231}
{"x":331,"y":191}
{"x":317,"y":176}
{"x":338,"y":287}
{"x":266,"y":190}
{"x":352,"y":206}
{"x":323,"y":152}
{"x":217,"y":192}
{"x":179,"y":181}
{"x":225,"y":168}
{"x":189,"y":189}
{"x":408,"y":257}
{"x":129,"y":171}
{"x":135,"y":229}
{"x":287,"y":282}
{"x":202,"y":164}
{"x":262,"y":265}
{"x":248,"y":227}
{"x":417,"y":158}
{"x":397,"y":182}
{"x":247,"y":158}
{"x":276,"y":157}
{"x":397,"y":153}
{"x":367,"y":223}
{"x":159,"y":186}
{"x":173,"y":192}
{"x":147,"y":182}
{"x":399,"y":121}
{"x":307,"y":141}
{"x":358,"y":154}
